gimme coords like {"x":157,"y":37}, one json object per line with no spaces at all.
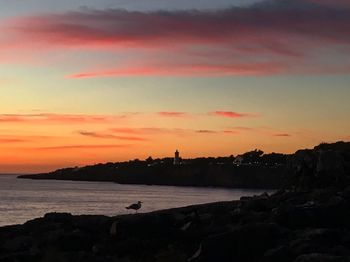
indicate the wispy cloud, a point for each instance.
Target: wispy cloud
{"x":151,"y":131}
{"x":265,"y":131}
{"x":155,"y":131}
{"x":140,"y":130}
{"x":282,"y":135}
{"x":173,"y":114}
{"x":232,"y":114}
{"x":12,"y":140}
{"x":170,"y":69}
{"x":111,"y":136}
{"x":59,"y":118}
{"x":231,"y":132}
{"x":206,"y":131}
{"x":17,"y":139}
{"x":72,"y":147}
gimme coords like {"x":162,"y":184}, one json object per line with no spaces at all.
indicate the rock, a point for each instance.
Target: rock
{"x":293,"y":217}
{"x":304,"y":246}
{"x":170,"y":255}
{"x":323,"y":236}
{"x":205,"y":218}
{"x":245,"y":198}
{"x":248,"y":242}
{"x":340,"y":251}
{"x":178,"y":217}
{"x":113,"y":230}
{"x":322,"y":167}
{"x":18,"y":244}
{"x":91,"y":223}
{"x":330,"y":161}
{"x":130,"y":246}
{"x":95,"y":249}
{"x":196,"y":254}
{"x":277,"y":254}
{"x":345,"y":193}
{"x":74,"y":241}
{"x":144,"y":226}
{"x":59,"y":217}
{"x":318,"y":257}
{"x":186,"y":226}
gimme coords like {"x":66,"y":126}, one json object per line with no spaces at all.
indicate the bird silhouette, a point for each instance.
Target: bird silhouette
{"x":135,"y":206}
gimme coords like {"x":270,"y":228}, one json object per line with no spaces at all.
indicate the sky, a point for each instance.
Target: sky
{"x":92,"y":81}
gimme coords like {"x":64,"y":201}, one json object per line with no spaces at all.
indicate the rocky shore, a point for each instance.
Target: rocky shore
{"x":307,"y":221}
{"x":287,"y":226}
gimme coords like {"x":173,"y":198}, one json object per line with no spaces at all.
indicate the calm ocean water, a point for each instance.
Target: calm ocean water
{"x":22,"y":199}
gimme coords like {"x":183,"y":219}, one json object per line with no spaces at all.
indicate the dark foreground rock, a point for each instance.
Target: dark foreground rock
{"x":287,"y":226}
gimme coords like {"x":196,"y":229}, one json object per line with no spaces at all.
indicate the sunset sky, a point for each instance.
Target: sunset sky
{"x":93,"y":81}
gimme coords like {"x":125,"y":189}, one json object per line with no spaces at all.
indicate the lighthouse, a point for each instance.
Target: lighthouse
{"x":177,"y":158}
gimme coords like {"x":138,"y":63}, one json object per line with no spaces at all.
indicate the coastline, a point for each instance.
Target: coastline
{"x":286,"y":226}
{"x":308,"y":221}
{"x":165,"y":185}
{"x":221,"y":176}
{"x":100,"y":198}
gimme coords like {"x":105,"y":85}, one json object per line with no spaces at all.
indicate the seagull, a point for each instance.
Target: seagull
{"x":135,"y":206}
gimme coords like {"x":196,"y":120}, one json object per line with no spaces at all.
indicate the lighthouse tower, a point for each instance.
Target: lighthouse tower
{"x":177,"y":158}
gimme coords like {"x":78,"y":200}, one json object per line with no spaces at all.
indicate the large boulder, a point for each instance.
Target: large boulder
{"x":244,"y":243}
{"x":325,"y":165}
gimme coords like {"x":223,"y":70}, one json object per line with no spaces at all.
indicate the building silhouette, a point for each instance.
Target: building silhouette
{"x":177,"y":158}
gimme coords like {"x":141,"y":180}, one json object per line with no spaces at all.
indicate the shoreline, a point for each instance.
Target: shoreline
{"x":139,"y":184}
{"x":112,"y":197}
{"x":309,"y":221}
{"x":286,"y":225}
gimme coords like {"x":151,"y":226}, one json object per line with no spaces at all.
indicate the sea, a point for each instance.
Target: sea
{"x":23,"y":199}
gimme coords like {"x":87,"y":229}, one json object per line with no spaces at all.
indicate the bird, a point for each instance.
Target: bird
{"x":135,"y":206}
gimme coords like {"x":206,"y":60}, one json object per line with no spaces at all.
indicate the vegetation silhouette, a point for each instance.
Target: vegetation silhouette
{"x":256,"y":170}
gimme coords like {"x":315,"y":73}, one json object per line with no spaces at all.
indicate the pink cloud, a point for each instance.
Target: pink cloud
{"x":171,"y":69}
{"x":268,"y":20}
{"x":231,"y":114}
{"x":173,"y":114}
{"x":264,"y":39}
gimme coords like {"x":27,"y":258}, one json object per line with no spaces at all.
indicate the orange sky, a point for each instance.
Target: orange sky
{"x":113,"y":82}
{"x":42,"y":141}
